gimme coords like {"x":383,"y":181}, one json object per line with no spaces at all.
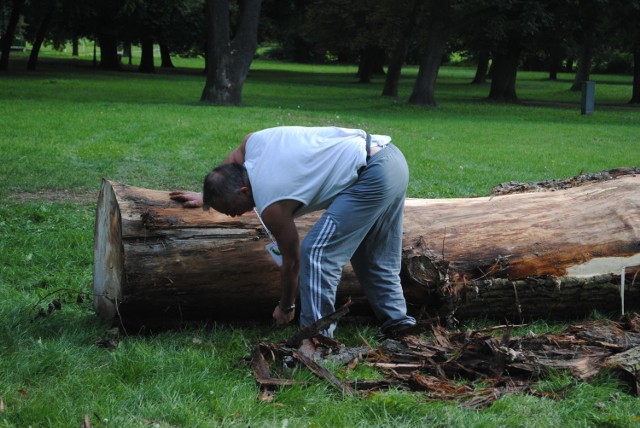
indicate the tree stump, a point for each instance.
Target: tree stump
{"x":560,"y":250}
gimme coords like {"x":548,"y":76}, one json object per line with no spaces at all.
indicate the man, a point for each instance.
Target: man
{"x":361,"y":180}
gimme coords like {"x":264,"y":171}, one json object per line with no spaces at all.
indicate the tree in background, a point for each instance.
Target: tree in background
{"x":515,"y":34}
{"x":281,"y":25}
{"x":229,"y":55}
{"x":624,"y":27}
{"x":181,"y":29}
{"x":168,"y":24}
{"x":553,"y":41}
{"x":439,"y":23}
{"x":402,"y":29}
{"x":511,"y":29}
{"x":45,"y":12}
{"x":589,"y":18}
{"x":140,"y":26}
{"x":635,"y":96}
{"x":10,"y":31}
{"x":105,"y":19}
{"x":350,"y":31}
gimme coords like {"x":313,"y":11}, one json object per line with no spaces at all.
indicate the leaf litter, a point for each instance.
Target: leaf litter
{"x":474,"y":367}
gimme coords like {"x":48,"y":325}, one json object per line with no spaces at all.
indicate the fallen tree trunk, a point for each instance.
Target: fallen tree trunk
{"x":543,"y":254}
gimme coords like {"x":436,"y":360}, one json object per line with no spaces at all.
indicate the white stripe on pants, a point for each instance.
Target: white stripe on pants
{"x":363,"y":224}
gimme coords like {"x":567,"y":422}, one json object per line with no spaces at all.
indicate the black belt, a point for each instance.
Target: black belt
{"x":368,"y":138}
{"x":368,"y":149}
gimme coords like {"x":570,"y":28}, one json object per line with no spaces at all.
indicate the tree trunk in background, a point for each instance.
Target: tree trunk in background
{"x":590,"y":15}
{"x":364,"y":67}
{"x":584,"y":64}
{"x":165,"y":56}
{"x":510,"y":257}
{"x":228,"y":60}
{"x":569,"y":65}
{"x":74,"y":46}
{"x":109,"y":59}
{"x":431,"y":57}
{"x":42,"y":32}
{"x":635,"y":97}
{"x":394,"y":71}
{"x":146,"y":57}
{"x":371,"y":63}
{"x":503,"y":75}
{"x":126,"y":52}
{"x":10,"y":32}
{"x":400,"y":52}
{"x":555,"y":61}
{"x":482,"y":68}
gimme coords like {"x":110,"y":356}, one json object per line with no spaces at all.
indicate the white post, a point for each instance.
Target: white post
{"x":622,"y":289}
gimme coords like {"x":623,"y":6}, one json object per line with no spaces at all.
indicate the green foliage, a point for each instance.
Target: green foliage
{"x":64,"y":128}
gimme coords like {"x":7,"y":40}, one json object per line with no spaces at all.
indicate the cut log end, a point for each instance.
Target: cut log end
{"x":108,"y":254}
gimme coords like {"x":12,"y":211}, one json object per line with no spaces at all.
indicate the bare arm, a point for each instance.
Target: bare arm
{"x":237,"y":155}
{"x":278,"y":217}
{"x":194,"y":199}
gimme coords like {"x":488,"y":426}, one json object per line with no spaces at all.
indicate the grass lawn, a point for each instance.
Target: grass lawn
{"x":66,"y":126}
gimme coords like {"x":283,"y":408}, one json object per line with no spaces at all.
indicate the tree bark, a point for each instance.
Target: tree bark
{"x":555,"y":60}
{"x":74,"y":46}
{"x":584,"y":64}
{"x":10,"y":32}
{"x":394,"y":71}
{"x":514,"y":257}
{"x":127,"y":52}
{"x":165,"y":56}
{"x":569,"y":64}
{"x":425,"y":85}
{"x":109,"y":59}
{"x":399,"y":54}
{"x":635,"y":96}
{"x":589,"y":14}
{"x":482,"y":68}
{"x":228,"y":60}
{"x":371,"y":63}
{"x":503,"y":75}
{"x":42,"y":31}
{"x":146,"y":56}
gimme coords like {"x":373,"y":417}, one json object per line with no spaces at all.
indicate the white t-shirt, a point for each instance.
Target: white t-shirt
{"x":307,"y":164}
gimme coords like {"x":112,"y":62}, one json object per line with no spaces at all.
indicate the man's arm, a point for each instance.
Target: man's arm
{"x":278,"y":217}
{"x":194,"y":199}
{"x":237,"y":155}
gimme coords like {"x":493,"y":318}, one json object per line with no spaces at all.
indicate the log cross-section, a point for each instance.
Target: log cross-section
{"x":553,"y":253}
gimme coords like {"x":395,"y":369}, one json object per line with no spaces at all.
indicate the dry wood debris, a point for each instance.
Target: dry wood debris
{"x":475,"y":367}
{"x":512,"y":187}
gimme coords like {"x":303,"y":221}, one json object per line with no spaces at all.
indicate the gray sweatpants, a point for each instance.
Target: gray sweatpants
{"x":363,"y":224}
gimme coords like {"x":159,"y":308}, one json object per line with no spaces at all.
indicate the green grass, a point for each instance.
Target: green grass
{"x":66,"y":126}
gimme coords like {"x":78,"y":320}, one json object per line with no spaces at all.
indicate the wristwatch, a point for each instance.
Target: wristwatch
{"x":287,"y":309}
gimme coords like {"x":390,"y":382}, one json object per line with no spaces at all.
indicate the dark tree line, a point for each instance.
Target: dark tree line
{"x":502,"y":36}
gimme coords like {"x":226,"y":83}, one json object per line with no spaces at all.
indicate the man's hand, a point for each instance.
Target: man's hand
{"x":189,"y":199}
{"x":278,"y":217}
{"x":282,"y":317}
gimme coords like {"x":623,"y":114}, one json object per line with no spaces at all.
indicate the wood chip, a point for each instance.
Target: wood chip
{"x":323,"y":373}
{"x":86,"y":422}
{"x":502,"y":365}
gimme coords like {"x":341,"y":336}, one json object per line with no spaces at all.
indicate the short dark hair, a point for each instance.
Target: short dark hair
{"x":222,"y":183}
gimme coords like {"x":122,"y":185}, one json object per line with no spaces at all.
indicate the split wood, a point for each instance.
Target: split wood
{"x":473,"y":366}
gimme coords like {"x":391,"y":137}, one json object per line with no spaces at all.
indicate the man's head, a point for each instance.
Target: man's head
{"x":227,"y":189}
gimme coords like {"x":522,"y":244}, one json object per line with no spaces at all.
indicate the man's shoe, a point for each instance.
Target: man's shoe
{"x":399,"y":331}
